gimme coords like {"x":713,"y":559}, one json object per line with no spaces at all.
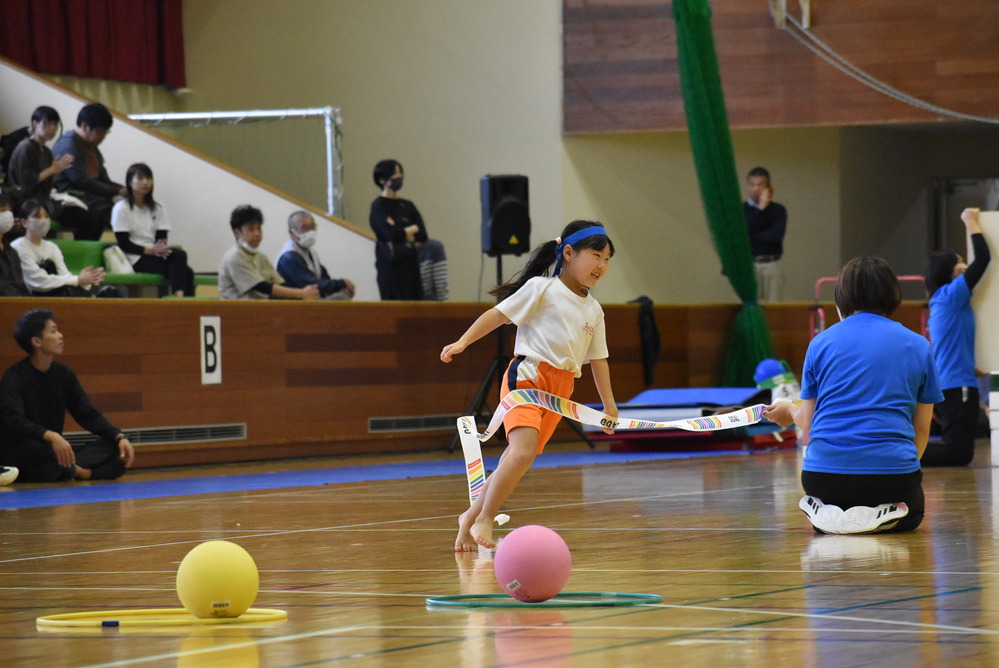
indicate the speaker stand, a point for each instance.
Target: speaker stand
{"x":479,"y":407}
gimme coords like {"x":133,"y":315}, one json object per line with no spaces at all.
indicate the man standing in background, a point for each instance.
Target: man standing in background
{"x":766,"y":221}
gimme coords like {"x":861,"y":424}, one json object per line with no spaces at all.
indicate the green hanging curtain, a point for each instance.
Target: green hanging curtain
{"x":707,"y":122}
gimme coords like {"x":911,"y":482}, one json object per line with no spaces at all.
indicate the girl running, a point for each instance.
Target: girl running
{"x":560,"y":327}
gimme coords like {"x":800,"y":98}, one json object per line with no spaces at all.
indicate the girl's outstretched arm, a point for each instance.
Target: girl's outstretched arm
{"x":601,"y":378}
{"x":484,"y":324}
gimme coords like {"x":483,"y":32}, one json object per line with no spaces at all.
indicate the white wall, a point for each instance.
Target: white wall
{"x":452,"y":89}
{"x":198,"y":194}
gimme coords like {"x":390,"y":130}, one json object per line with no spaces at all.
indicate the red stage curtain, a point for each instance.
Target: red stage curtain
{"x":140,"y":41}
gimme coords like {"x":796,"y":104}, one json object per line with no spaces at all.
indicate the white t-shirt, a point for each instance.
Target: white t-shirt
{"x":556,"y":325}
{"x":140,"y":223}
{"x":32,"y":256}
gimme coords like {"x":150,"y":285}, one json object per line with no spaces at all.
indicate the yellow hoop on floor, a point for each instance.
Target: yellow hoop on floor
{"x":156,"y":617}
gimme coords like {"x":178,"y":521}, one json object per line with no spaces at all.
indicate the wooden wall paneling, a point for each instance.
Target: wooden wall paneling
{"x":620,"y":67}
{"x":360,"y":361}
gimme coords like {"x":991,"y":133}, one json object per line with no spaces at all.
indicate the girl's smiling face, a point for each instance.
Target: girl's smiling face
{"x":582,"y":269}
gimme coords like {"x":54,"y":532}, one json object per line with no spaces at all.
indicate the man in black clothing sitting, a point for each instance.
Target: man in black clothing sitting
{"x":35,"y":394}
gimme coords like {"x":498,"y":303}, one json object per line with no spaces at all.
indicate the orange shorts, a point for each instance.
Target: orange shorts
{"x":525,"y":373}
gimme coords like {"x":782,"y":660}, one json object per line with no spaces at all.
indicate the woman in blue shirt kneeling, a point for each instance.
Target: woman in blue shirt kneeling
{"x":868,"y":389}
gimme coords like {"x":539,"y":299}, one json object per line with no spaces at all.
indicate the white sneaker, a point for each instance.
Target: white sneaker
{"x":823,"y":516}
{"x":8,"y":474}
{"x":858,"y":519}
{"x":864,"y":519}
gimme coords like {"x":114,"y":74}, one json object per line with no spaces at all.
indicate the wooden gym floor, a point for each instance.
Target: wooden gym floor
{"x":744,"y":580}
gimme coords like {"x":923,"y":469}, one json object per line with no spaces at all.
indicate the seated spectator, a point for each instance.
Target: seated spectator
{"x":245,"y":272}
{"x":33,"y":169}
{"x":299,"y":265}
{"x":87,"y":174}
{"x":141,"y":227}
{"x":42,"y":264}
{"x":35,"y":394}
{"x":433,"y":271}
{"x":11,"y":278}
{"x":7,"y":144}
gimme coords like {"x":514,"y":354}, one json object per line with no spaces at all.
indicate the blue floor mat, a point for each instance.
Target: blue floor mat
{"x":13,"y":498}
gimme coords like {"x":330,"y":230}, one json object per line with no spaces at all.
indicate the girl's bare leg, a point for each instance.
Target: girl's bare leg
{"x":465,"y":542}
{"x":515,"y":462}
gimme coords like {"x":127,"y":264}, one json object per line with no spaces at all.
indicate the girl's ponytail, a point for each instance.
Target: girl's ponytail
{"x":545,"y":255}
{"x":542,"y":258}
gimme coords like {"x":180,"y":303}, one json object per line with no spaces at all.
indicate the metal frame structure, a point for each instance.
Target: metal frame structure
{"x":332,"y":121}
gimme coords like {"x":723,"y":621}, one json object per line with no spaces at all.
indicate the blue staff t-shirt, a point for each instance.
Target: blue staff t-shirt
{"x":866,"y":374}
{"x":952,"y":330}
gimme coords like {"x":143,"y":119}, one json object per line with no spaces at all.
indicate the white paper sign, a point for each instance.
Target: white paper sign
{"x":211,"y":349}
{"x":985,"y":299}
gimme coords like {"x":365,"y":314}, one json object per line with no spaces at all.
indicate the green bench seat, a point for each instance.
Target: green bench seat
{"x":81,"y":254}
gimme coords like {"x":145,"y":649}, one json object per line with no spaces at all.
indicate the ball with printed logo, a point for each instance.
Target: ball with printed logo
{"x":532,"y":564}
{"x":217,"y":579}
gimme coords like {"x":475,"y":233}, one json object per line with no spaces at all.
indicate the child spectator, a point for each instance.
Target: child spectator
{"x":42,"y":264}
{"x":141,"y":227}
{"x":245,"y":272}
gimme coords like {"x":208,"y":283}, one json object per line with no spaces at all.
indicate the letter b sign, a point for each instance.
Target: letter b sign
{"x":211,"y":350}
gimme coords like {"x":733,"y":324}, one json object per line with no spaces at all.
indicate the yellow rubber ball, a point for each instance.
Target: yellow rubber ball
{"x":217,"y":579}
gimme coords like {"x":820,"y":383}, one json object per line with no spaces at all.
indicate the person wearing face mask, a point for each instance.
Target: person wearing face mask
{"x":33,"y":168}
{"x":400,"y":235}
{"x":44,"y":268}
{"x":11,"y":277}
{"x":299,"y":265}
{"x":950,"y":281}
{"x":245,"y":272}
{"x":141,"y":226}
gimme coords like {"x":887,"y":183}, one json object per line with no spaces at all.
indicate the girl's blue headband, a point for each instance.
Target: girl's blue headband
{"x":572,"y":239}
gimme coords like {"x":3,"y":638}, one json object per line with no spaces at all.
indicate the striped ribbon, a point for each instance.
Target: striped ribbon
{"x":586,"y":415}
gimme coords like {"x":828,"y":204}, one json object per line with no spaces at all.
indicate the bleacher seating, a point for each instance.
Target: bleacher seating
{"x":81,"y":254}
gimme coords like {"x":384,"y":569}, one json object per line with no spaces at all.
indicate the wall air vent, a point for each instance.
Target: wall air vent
{"x":381,"y":425}
{"x":159,"y":435}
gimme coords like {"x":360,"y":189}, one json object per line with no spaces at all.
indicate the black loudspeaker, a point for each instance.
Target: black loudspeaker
{"x":506,"y":222}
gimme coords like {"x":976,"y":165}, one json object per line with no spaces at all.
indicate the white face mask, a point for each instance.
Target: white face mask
{"x":39,"y":226}
{"x":6,"y":221}
{"x":247,"y":247}
{"x":307,"y":239}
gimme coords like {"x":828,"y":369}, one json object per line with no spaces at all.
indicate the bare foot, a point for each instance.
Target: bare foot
{"x":482,"y":532}
{"x":465,"y":542}
{"x":82,"y":473}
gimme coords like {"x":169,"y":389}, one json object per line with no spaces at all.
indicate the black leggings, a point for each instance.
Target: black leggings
{"x":958,"y":414}
{"x":174,"y":267}
{"x":854,"y":489}
{"x":36,"y":461}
